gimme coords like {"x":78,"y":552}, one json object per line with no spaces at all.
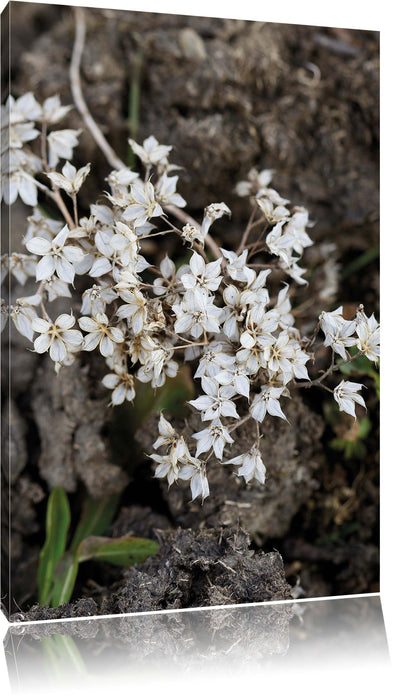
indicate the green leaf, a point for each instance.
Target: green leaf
{"x":122,"y":551}
{"x":65,"y":573}
{"x":97,"y":515}
{"x":360,"y":365}
{"x":57,"y":525}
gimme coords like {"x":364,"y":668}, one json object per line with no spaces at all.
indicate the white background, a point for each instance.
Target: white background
{"x":388,"y":18}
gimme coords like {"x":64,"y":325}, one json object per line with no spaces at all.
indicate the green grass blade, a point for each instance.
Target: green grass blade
{"x":66,"y":571}
{"x":97,"y":515}
{"x":57,"y":525}
{"x":122,"y":551}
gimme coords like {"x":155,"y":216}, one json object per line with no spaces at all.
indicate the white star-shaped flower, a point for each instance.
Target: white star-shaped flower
{"x":346,"y":396}
{"x":58,"y":337}
{"x":99,"y":333}
{"x":56,"y":256}
{"x":215,"y":436}
{"x":251,"y":465}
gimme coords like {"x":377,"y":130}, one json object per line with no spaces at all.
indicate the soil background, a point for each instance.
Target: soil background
{"x":228,"y":95}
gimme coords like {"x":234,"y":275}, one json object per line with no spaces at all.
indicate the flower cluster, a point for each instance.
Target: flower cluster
{"x":220,"y":312}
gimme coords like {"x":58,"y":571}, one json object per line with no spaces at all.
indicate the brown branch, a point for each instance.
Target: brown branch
{"x":111,"y":156}
{"x":76,"y":87}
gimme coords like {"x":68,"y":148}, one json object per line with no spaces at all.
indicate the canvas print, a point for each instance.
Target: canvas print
{"x":190,"y":311}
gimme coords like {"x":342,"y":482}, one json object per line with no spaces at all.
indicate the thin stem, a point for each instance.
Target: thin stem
{"x":44,"y":143}
{"x":76,"y":87}
{"x":258,"y":266}
{"x":247,"y":231}
{"x":56,"y":196}
{"x":109,"y":153}
{"x":258,"y":434}
{"x":75,"y":209}
{"x":240,"y":422}
{"x":330,"y":370}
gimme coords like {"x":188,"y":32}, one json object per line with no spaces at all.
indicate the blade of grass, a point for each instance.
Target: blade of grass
{"x":57,"y":525}
{"x":122,"y":551}
{"x":66,"y":571}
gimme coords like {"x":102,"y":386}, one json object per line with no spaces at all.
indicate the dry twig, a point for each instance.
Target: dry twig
{"x":110,"y":154}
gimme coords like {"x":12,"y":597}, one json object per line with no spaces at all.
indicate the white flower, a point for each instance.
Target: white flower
{"x":214,"y":359}
{"x":368,"y":332}
{"x":157,"y":366}
{"x":166,"y":191}
{"x":346,"y":396}
{"x":125,"y":241}
{"x":331,"y":321}
{"x":22,"y":184}
{"x":95,"y":299}
{"x":282,"y":308}
{"x":4,"y":316}
{"x":215,"y":436}
{"x":191,"y":234}
{"x":167,"y":467}
{"x":195,"y":470}
{"x":22,"y":108}
{"x":61,"y":145}
{"x":237,"y":265}
{"x":171,"y":464}
{"x":216,"y":401}
{"x":279,"y":244}
{"x":57,"y":337}
{"x":70,"y":180}
{"x":272,"y":205}
{"x":40,"y":225}
{"x":55,"y":256}
{"x":143,"y":204}
{"x":151,"y":152}
{"x":213,"y":212}
{"x":167,"y":434}
{"x":134,"y":310}
{"x":122,"y":385}
{"x":267,"y":401}
{"x":256,"y":338}
{"x":256,"y":181}
{"x":197,"y":314}
{"x":294,"y":231}
{"x":341,"y":338}
{"x":251,"y":465}
{"x":21,"y":266}
{"x":294,"y":271}
{"x":236,"y":377}
{"x":167,"y":283}
{"x":206,"y":276}
{"x":235,"y":310}
{"x":299,"y":361}
{"x":100,"y":333}
{"x":56,"y":288}
{"x":22,"y":315}
{"x":279,"y":356}
{"x":120,"y":179}
{"x":170,"y":438}
{"x":53,"y":111}
{"x":199,"y":484}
